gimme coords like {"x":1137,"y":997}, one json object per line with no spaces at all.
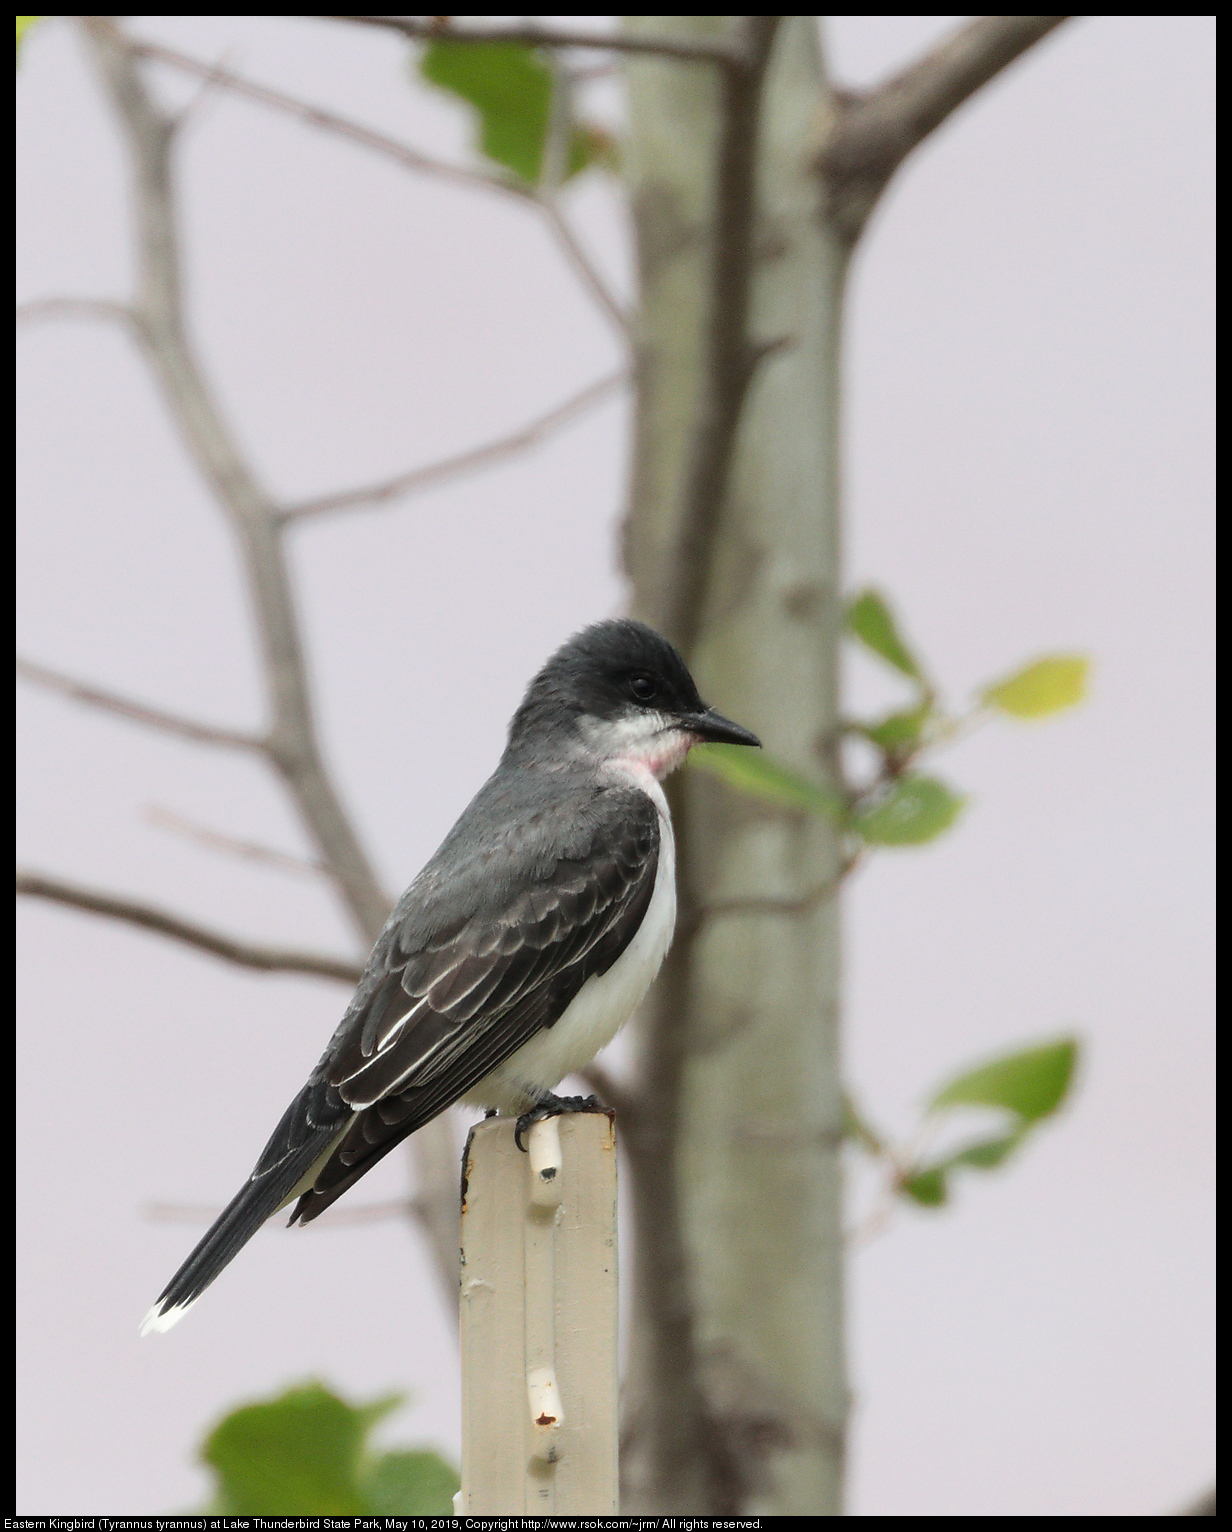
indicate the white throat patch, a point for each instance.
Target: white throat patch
{"x":638,"y":743}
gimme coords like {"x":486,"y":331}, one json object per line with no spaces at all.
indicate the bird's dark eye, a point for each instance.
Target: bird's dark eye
{"x":643,"y":687}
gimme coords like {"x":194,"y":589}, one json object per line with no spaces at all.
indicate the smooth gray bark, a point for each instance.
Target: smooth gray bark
{"x":737,"y":1392}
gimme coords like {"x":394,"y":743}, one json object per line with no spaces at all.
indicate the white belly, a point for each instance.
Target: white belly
{"x":600,"y":1008}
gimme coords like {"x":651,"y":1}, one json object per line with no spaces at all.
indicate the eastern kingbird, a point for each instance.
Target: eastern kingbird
{"x":517,"y":953}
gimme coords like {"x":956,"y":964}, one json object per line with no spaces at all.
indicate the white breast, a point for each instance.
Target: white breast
{"x":602,"y":1005}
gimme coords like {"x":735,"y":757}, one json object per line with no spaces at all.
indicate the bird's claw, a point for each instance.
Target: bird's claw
{"x":553,"y":1106}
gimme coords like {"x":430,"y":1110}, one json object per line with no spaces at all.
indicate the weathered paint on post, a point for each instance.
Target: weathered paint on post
{"x":538,"y":1319}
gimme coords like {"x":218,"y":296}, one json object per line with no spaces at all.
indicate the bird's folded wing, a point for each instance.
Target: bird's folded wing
{"x":443,"y":1015}
{"x":437,"y":1013}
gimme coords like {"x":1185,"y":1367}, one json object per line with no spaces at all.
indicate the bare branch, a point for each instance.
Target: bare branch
{"x":251,"y":851}
{"x":410,"y":159}
{"x":292,"y":743}
{"x":74,"y":308}
{"x":371,"y":1212}
{"x":694,"y":916}
{"x":463,"y":462}
{"x":554,"y":171}
{"x":149,"y":917}
{"x":558,"y":136}
{"x":319,"y":117}
{"x":202,"y":1214}
{"x":135,"y":712}
{"x":582,"y":264}
{"x":181,"y":1212}
{"x":431,"y":30}
{"x":208,"y":84}
{"x":877,"y":131}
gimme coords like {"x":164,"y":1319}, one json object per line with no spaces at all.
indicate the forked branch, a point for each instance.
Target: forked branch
{"x":320,"y":117}
{"x":403,"y":154}
{"x":876,"y":132}
{"x":291,"y":743}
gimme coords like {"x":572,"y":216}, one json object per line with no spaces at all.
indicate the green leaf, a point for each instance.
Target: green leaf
{"x":916,"y":810}
{"x":870,"y":620}
{"x":927,"y":1187}
{"x":411,"y":1484}
{"x":989,"y":1152}
{"x":510,"y":86}
{"x":1031,"y":1083}
{"x":294,"y":1455}
{"x":305,"y":1453}
{"x":759,"y":775}
{"x":1057,"y":681}
{"x":898,"y":732}
{"x":24,"y":23}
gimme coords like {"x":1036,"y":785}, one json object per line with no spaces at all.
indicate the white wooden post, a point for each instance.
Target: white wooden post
{"x":539,"y":1364}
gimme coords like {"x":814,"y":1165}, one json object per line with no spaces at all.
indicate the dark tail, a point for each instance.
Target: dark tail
{"x":296,"y":1147}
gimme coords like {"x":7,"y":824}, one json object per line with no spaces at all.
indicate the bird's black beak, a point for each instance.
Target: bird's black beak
{"x":715,"y":729}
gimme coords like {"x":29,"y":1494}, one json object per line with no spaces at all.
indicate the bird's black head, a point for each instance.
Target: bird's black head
{"x":619,"y":690}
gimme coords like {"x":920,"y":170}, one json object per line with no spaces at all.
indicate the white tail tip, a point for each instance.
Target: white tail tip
{"x":159,"y":1320}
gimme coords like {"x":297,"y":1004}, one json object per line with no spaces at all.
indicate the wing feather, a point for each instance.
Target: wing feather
{"x":444,"y":1006}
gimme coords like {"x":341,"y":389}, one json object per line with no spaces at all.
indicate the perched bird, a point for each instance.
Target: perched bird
{"x":517,"y":953}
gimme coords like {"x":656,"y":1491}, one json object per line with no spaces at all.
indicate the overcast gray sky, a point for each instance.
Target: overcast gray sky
{"x":1029,"y":433}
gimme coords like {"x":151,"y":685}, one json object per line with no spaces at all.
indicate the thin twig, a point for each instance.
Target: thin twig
{"x":553,"y":173}
{"x":582,"y":264}
{"x":432,"y":30}
{"x":214,"y":840}
{"x":149,"y":917}
{"x":753,"y":906}
{"x":199,"y":97}
{"x":135,"y":712}
{"x":876,"y":132}
{"x":463,"y":462}
{"x":897,"y":1164}
{"x":320,"y":117}
{"x":199,"y":1213}
{"x":694,"y":916}
{"x":74,"y":308}
{"x":558,"y":136}
{"x":407,"y":157}
{"x":203,"y":1215}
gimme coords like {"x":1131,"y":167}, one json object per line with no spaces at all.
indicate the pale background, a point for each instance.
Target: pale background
{"x":1029,"y":426}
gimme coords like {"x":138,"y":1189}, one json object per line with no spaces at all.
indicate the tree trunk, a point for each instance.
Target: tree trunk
{"x":736,"y":1397}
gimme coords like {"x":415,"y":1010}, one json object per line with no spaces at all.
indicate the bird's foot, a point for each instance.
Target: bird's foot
{"x":552,"y":1106}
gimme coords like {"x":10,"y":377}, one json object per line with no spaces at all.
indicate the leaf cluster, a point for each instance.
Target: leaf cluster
{"x":306,"y":1452}
{"x":900,"y":805}
{"x":1025,"y":1087}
